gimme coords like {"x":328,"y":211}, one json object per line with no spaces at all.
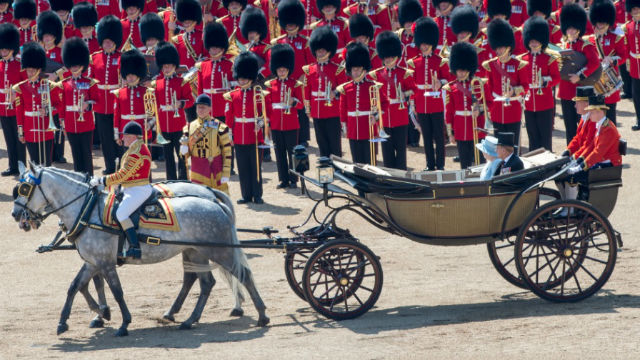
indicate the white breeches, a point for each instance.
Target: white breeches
{"x":132,"y":198}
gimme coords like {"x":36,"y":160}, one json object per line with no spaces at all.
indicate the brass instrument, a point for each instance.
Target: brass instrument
{"x":445,"y":51}
{"x":376,"y":108}
{"x":45,"y":100}
{"x":80,"y":107}
{"x":477,"y":92}
{"x":539,"y":81}
{"x":128,"y":44}
{"x":287,"y":100}
{"x":260,"y":103}
{"x":174,"y":104}
{"x":327,"y":94}
{"x":274,"y":26}
{"x":235,"y":46}
{"x":400,"y":95}
{"x":225,"y":82}
{"x":506,"y":88}
{"x":151,"y":109}
{"x":9,"y":95}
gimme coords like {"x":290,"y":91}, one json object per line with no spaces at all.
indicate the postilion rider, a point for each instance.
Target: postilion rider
{"x":207,"y":142}
{"x":133,"y":177}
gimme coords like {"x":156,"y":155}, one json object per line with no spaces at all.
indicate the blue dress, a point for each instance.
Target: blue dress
{"x":489,"y":169}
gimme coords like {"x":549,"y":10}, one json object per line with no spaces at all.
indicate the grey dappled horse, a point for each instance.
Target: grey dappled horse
{"x":204,"y":216}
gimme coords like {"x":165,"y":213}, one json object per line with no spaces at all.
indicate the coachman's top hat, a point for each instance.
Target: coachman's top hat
{"x":596,"y":102}
{"x":583,"y":93}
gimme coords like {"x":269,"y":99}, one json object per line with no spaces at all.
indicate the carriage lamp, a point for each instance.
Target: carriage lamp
{"x":325,"y":170}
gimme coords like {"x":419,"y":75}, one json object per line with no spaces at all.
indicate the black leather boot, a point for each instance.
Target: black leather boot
{"x":134,"y":247}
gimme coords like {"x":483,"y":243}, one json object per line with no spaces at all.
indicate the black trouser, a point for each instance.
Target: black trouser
{"x":433,"y":132}
{"x":360,"y":151}
{"x":248,"y":171}
{"x":304,"y":133}
{"x":96,"y":138}
{"x":104,"y":127}
{"x":285,"y":142}
{"x":58,"y":141}
{"x":570,"y":117}
{"x":328,"y":136}
{"x":466,"y":153}
{"x":394,"y":150}
{"x":40,"y":148}
{"x":81,"y":151}
{"x":513,"y":128}
{"x":611,"y":113}
{"x":635,"y":93}
{"x":539,"y":128}
{"x":16,"y":150}
{"x":626,"y":79}
{"x":233,"y":151}
{"x":413,"y":135}
{"x":173,"y":147}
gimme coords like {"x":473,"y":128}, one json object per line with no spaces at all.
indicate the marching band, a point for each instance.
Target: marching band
{"x":265,"y":71}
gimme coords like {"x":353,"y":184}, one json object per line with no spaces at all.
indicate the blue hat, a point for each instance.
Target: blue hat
{"x":203,"y":99}
{"x":132,"y":128}
{"x":488,"y":146}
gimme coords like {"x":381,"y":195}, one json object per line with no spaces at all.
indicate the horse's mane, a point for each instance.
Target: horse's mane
{"x":76,"y":177}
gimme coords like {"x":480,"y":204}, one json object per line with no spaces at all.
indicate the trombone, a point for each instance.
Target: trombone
{"x":274,"y":26}
{"x":151,"y":109}
{"x":327,"y":94}
{"x":260,"y":103}
{"x":376,"y":109}
{"x":477,"y":94}
{"x":174,"y":104}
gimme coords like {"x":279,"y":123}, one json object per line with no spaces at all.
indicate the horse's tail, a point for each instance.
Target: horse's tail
{"x":239,"y":271}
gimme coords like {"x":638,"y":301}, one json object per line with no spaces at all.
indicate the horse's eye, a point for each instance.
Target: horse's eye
{"x":15,"y":192}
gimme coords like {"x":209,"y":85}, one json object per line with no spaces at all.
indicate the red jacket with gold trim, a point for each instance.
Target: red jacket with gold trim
{"x":135,"y":167}
{"x":276,"y":103}
{"x":356,"y":110}
{"x":458,"y":110}
{"x":28,"y":104}
{"x":106,"y":69}
{"x":10,"y":74}
{"x":317,"y":76}
{"x":604,"y":146}
{"x":512,"y":73}
{"x":548,"y":66}
{"x":566,"y":89}
{"x":69,"y":110}
{"x":426,"y":99}
{"x":612,"y":45}
{"x":214,"y":79}
{"x":240,"y":117}
{"x":397,"y":86}
{"x":179,"y":90}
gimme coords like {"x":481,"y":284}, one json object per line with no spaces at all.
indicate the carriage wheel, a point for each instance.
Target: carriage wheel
{"x":294,"y":263}
{"x":566,"y":258}
{"x":342,"y":279}
{"x":501,"y":253}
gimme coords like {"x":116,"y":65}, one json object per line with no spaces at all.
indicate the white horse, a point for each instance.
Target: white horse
{"x":204,"y":215}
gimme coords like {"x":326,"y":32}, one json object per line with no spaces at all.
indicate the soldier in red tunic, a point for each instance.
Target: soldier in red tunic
{"x":189,"y":40}
{"x":501,"y":9}
{"x":151,"y":33}
{"x":312,"y":14}
{"x":104,"y":67}
{"x":506,"y":75}
{"x":129,"y":103}
{"x":24,"y":14}
{"x":408,"y":12}
{"x":381,"y":15}
{"x":283,"y":101}
{"x":215,"y":74}
{"x":573,"y":23}
{"x":542,"y":8}
{"x":320,"y":81}
{"x":397,"y":86}
{"x":359,"y":113}
{"x":612,"y":47}
{"x":131,"y":23}
{"x":253,"y":25}
{"x":79,"y":93}
{"x":173,"y":95}
{"x":632,"y":33}
{"x":464,"y":24}
{"x":430,"y":72}
{"x":444,"y":9}
{"x":231,"y":21}
{"x":85,"y":18}
{"x":542,"y":75}
{"x":6,"y":12}
{"x":246,"y":126}
{"x":10,"y":74}
{"x":329,"y":17}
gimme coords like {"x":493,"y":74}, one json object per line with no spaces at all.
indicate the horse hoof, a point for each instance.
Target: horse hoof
{"x":169,"y":317}
{"x":122,"y":332}
{"x":62,"y":328}
{"x":106,"y":313}
{"x":237,"y":312}
{"x":263,"y":321}
{"x":96,"y":323}
{"x":185,"y":326}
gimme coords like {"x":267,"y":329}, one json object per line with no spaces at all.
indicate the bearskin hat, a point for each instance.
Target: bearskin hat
{"x":151,"y":27}
{"x":388,"y":45}
{"x":499,"y":7}
{"x":426,"y":31}
{"x":359,"y":25}
{"x":253,"y":19}
{"x":630,"y":4}
{"x":536,"y":28}
{"x":602,"y":11}
{"x":409,"y":11}
{"x":84,"y":14}
{"x":59,"y":5}
{"x":437,"y":3}
{"x":500,"y":34}
{"x":10,"y":37}
{"x":5,"y":1}
{"x":463,"y":56}
{"x":49,"y":23}
{"x":544,"y":6}
{"x":226,"y":3}
{"x":215,"y":35}
{"x":110,"y":27}
{"x":246,"y":66}
{"x":291,"y":12}
{"x":133,"y":62}
{"x":33,"y":56}
{"x":322,"y":3}
{"x":166,"y":53}
{"x":282,"y":55}
{"x":75,"y":52}
{"x":357,"y":55}
{"x":188,"y":10}
{"x":24,"y":9}
{"x":323,"y":38}
{"x":573,"y":16}
{"x":136,"y":3}
{"x":465,"y":18}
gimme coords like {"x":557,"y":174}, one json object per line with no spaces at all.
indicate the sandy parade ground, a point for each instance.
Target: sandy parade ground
{"x":436,"y":302}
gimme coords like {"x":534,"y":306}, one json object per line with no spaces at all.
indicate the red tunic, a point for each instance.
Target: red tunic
{"x":428,"y":8}
{"x":106,"y":69}
{"x":548,"y":66}
{"x":195,"y":39}
{"x":240,"y":116}
{"x":311,"y":16}
{"x":276,"y":102}
{"x":317,"y":77}
{"x":518,"y":13}
{"x":232,"y":23}
{"x":262,"y":50}
{"x":583,"y":138}
{"x":458,"y":113}
{"x":92,"y":43}
{"x":26,"y":34}
{"x":215,"y":79}
{"x":409,"y":49}
{"x":512,"y":72}
{"x":107,"y":7}
{"x":28,"y":104}
{"x":381,"y":16}
{"x":42,"y":5}
{"x":135,"y":168}
{"x":7,"y":16}
{"x":72,"y":89}
{"x":622,"y":16}
{"x":10,"y":74}
{"x":426,"y":99}
{"x":567,"y":90}
{"x":612,"y":45}
{"x":340,"y":26}
{"x":129,"y":106}
{"x":604,"y":146}
{"x":555,"y":34}
{"x":303,"y":56}
{"x":632,"y":33}
{"x":355,"y":108}
{"x":446,"y":33}
{"x":393,"y":82}
{"x":164,"y":99}
{"x":133,"y":28}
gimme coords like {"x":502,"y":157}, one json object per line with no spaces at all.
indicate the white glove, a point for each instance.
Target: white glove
{"x":184,"y":149}
{"x":224,"y":180}
{"x":95,"y":181}
{"x":115,"y":134}
{"x":574,"y":169}
{"x":344,"y":129}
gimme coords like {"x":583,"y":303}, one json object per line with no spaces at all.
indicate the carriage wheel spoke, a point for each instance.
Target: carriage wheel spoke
{"x":594,"y":259}
{"x":553,"y":272}
{"x":581,"y":266}
{"x":538,"y":269}
{"x":575,"y":277}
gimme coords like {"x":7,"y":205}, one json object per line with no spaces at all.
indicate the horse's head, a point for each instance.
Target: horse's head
{"x":29,"y":202}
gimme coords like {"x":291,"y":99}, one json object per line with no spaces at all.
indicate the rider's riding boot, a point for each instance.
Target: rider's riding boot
{"x":134,"y":247}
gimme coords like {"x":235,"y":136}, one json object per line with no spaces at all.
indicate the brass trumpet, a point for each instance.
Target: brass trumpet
{"x":45,"y":100}
{"x":287,"y":100}
{"x":80,"y":107}
{"x":260,"y":103}
{"x":274,"y":25}
{"x":539,"y":81}
{"x":477,"y":93}
{"x":327,"y":94}
{"x":174,"y":104}
{"x":506,"y":88}
{"x":400,"y":95}
{"x":151,"y":109}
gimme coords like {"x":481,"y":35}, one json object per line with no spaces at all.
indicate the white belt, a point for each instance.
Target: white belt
{"x":424,"y":87}
{"x":133,"y":117}
{"x":497,"y":97}
{"x":32,"y":113}
{"x":634,"y":55}
{"x":4,"y":91}
{"x":279,"y":106}
{"x":463,"y":113}
{"x":166,"y":108}
{"x":429,"y":93}
{"x":359,"y":113}
{"x":215,"y":91}
{"x":73,"y":108}
{"x":108,"y":87}
{"x":245,"y":120}
{"x":394,"y":101}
